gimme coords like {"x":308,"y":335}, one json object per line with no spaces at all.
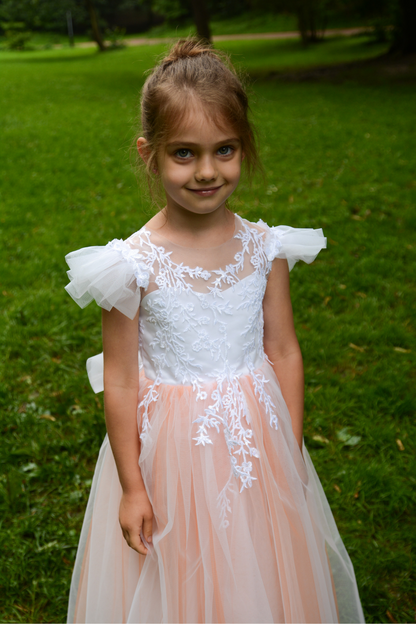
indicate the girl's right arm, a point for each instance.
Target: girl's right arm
{"x":121,"y":387}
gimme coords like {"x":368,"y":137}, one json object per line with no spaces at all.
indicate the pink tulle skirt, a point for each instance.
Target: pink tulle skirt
{"x":278,"y":557}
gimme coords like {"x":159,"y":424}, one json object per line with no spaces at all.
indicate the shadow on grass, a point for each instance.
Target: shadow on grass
{"x":383,"y":69}
{"x":45,"y":56}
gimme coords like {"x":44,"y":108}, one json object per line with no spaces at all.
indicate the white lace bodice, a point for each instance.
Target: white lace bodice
{"x":201,"y":318}
{"x":199,"y":323}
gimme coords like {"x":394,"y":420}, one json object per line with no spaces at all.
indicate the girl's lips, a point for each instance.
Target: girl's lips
{"x":207,"y":192}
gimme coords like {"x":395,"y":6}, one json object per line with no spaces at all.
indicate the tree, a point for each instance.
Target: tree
{"x":175,"y":11}
{"x":404,"y":32}
{"x":201,"y":19}
{"x":96,"y":32}
{"x":309,"y":16}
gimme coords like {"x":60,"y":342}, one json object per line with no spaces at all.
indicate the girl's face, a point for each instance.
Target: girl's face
{"x":200,"y":165}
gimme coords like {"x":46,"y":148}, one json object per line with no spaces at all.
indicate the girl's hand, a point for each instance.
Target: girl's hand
{"x":136,"y":518}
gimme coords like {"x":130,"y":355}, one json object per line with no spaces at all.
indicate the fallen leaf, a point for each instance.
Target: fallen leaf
{"x":48,"y":417}
{"x":321,"y":439}
{"x":353,"y":346}
{"x":356,"y":495}
{"x":333,"y":242}
{"x":346,"y":438}
{"x":317,"y":389}
{"x":337,"y":488}
{"x":343,"y":434}
{"x":391,"y":618}
{"x":357,"y":218}
{"x":361,"y":294}
{"x":342,"y":286}
{"x":306,"y":327}
{"x":26,"y":378}
{"x":400,"y":445}
{"x":326,"y":300}
{"x":353,"y":441}
{"x":400,"y":350}
{"x":47,"y":546}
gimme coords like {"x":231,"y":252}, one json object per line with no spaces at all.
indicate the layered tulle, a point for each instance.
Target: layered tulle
{"x":279,"y":559}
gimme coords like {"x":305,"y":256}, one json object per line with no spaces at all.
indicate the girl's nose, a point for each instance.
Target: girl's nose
{"x":205,"y":170}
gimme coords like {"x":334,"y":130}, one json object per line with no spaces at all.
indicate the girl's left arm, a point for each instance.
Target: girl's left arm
{"x":281,"y":344}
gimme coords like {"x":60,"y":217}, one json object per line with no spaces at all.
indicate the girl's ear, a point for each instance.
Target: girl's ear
{"x":144,"y":151}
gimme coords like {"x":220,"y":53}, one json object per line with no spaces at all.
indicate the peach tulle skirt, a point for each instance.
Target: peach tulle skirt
{"x":280,"y":559}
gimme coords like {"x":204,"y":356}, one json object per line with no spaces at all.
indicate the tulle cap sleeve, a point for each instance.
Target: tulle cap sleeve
{"x":112,"y":275}
{"x":293,"y":244}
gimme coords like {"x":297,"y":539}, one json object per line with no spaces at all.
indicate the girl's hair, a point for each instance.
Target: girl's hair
{"x":192,"y":73}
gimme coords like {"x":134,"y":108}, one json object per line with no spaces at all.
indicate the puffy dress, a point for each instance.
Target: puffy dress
{"x":242,"y":528}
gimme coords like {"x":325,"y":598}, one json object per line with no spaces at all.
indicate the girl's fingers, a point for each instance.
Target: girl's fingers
{"x":135,"y":542}
{"x":147,"y":530}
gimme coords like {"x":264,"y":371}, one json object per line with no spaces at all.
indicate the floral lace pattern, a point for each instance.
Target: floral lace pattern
{"x":135,"y":259}
{"x":167,"y":317}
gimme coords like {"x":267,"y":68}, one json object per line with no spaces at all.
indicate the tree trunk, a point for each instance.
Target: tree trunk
{"x":201,"y":19}
{"x":308,"y":14}
{"x":96,"y":34}
{"x":302,"y":20}
{"x":405,"y":28}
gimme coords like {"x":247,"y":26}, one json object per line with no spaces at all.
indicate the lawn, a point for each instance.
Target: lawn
{"x":337,"y":156}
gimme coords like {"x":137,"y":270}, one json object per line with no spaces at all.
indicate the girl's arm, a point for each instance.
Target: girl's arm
{"x":121,"y":387}
{"x":281,"y":345}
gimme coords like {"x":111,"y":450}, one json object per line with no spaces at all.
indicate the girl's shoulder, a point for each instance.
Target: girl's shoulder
{"x":286,"y":242}
{"x":112,"y":274}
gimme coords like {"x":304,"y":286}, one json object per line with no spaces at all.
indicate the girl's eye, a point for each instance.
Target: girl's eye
{"x":183,"y":153}
{"x":226,"y":150}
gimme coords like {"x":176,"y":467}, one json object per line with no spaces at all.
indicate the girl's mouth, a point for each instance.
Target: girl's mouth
{"x":206,"y":192}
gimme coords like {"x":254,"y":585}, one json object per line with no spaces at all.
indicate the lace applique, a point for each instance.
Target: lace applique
{"x":227,"y":411}
{"x":273,"y":243}
{"x":135,"y":259}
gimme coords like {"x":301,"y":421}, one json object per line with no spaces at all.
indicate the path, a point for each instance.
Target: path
{"x":136,"y":41}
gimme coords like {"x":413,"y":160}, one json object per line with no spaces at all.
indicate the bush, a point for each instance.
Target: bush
{"x":16,"y":35}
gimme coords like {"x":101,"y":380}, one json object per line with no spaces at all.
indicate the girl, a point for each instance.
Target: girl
{"x":205,"y":506}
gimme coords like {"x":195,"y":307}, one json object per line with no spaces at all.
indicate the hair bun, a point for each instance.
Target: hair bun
{"x":187,"y":48}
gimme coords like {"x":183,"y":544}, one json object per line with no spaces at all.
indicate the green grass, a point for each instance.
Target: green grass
{"x":337,"y":156}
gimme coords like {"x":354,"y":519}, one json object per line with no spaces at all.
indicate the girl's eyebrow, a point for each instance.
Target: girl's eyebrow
{"x":191,"y":143}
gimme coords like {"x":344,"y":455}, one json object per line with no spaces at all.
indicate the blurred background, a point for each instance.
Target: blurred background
{"x":333,"y":95}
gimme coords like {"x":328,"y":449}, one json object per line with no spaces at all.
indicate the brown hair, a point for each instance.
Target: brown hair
{"x":193,"y":70}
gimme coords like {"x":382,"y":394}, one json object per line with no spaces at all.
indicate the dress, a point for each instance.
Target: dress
{"x":242,"y":529}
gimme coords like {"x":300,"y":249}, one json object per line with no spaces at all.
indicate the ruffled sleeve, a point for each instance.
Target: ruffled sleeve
{"x":112,"y":275}
{"x":293,"y":244}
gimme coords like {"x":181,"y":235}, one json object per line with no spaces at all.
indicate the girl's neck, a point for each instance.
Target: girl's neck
{"x":190,"y":229}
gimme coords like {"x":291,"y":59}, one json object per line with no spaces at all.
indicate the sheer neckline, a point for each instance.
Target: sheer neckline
{"x":237,"y":227}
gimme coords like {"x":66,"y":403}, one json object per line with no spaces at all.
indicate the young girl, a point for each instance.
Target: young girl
{"x":205,"y":506}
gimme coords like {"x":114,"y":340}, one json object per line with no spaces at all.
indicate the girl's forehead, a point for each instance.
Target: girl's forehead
{"x":198,"y":126}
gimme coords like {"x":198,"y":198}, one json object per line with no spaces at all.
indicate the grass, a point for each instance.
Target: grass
{"x":339,"y":157}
